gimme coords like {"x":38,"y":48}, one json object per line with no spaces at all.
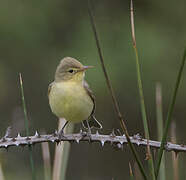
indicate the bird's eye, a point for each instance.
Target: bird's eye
{"x":71,"y":71}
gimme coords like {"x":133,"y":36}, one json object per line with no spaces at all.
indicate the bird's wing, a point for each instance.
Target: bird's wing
{"x":49,"y":88}
{"x":93,"y":122}
{"x":90,"y":93}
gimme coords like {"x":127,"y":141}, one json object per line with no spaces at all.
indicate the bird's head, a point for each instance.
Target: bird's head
{"x":70,"y":69}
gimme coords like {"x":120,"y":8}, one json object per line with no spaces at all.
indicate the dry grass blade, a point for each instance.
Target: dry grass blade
{"x":66,"y":152}
{"x":170,"y":111}
{"x":46,"y":160}
{"x":61,"y":153}
{"x":130,"y":172}
{"x":159,"y":119}
{"x":58,"y":154}
{"x":1,"y":173}
{"x":115,"y":102}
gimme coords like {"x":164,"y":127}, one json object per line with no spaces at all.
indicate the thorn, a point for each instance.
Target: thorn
{"x":55,"y":133}
{"x":137,"y":136}
{"x":97,"y":133}
{"x":102,"y":143}
{"x":8,"y":132}
{"x":52,"y":140}
{"x":77,"y":140}
{"x":17,"y":143}
{"x":18,"y":135}
{"x":112,"y":134}
{"x":37,"y":134}
{"x":121,"y":142}
{"x":119,"y":146}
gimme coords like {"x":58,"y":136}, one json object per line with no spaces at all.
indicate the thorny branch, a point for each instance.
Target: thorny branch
{"x":112,"y":139}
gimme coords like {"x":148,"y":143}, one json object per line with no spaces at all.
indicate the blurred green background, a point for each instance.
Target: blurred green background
{"x":36,"y":35}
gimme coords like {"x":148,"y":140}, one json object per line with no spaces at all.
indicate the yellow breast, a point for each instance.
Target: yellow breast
{"x":70,"y":101}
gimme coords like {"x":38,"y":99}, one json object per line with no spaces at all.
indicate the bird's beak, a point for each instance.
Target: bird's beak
{"x":86,"y":67}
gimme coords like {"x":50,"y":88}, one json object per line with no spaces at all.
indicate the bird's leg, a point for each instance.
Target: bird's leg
{"x":61,"y":133}
{"x":82,"y":132}
{"x":89,"y":130}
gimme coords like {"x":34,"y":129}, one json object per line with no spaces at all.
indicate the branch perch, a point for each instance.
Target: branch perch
{"x":112,"y":139}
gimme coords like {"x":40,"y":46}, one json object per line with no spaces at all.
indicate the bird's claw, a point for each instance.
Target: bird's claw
{"x":83,"y":133}
{"x":88,"y":134}
{"x":61,"y":135}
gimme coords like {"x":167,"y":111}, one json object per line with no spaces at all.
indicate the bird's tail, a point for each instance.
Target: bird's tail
{"x":93,"y":123}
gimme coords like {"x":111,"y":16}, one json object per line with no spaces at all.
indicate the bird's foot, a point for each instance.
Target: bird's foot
{"x":116,"y":132}
{"x":86,"y":133}
{"x":83,"y":133}
{"x":89,"y":135}
{"x":60,"y":134}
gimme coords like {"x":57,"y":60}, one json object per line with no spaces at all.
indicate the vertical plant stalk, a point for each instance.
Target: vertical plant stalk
{"x":1,"y":172}
{"x":61,"y":153}
{"x":66,"y":152}
{"x":115,"y":103}
{"x":46,"y":160}
{"x":26,"y":127}
{"x":175,"y":160}
{"x":58,"y":154}
{"x":159,"y":119}
{"x":140,"y":88}
{"x":169,"y":115}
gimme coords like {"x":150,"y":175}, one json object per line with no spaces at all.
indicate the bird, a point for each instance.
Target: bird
{"x":70,"y":96}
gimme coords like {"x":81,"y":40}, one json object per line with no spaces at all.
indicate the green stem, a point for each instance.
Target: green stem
{"x":159,"y":120}
{"x":143,"y":111}
{"x":27,"y":129}
{"x":140,"y":88}
{"x":169,"y":115}
{"x":115,"y":102}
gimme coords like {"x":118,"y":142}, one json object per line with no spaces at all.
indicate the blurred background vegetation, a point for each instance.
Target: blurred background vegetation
{"x":36,"y":35}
